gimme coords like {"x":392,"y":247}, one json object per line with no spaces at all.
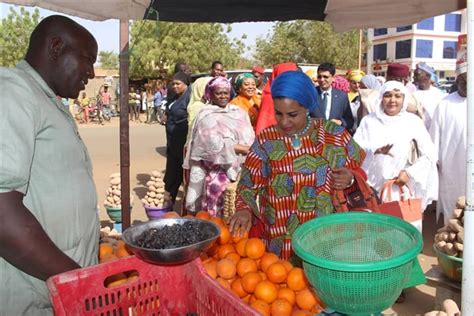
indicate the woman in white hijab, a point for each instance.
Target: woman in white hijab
{"x":387,"y":136}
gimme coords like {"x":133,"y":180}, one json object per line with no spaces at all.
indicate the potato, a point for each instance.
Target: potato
{"x":116,"y":198}
{"x":461,"y":202}
{"x":458,"y":246}
{"x":455,"y":225}
{"x":115,"y":175}
{"x":460,"y":237}
{"x":116,"y":192}
{"x":110,"y":199}
{"x":153,"y":178}
{"x":458,"y":213}
{"x":156,"y":174}
{"x":160,"y":190}
{"x":144,"y":201}
{"x":432,"y":313}
{"x":115,"y":181}
{"x":440,"y":245}
{"x":151,"y":188}
{"x":451,"y":236}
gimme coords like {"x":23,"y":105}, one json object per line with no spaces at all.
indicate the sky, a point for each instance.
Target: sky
{"x":107,"y":32}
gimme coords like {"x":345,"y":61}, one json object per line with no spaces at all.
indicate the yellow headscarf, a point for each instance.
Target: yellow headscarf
{"x":354,"y":75}
{"x":311,"y":73}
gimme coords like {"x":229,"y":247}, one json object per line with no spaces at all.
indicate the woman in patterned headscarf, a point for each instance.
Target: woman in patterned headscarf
{"x":293,"y":167}
{"x":221,"y":137}
{"x":247,"y":98}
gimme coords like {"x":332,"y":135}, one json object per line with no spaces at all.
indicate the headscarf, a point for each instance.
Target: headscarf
{"x":212,"y":85}
{"x":461,"y":64}
{"x":341,"y":83}
{"x":390,"y":86}
{"x":258,"y":69}
{"x":429,"y":70}
{"x":381,"y":80}
{"x":297,"y":86}
{"x":181,"y":76}
{"x":239,"y":80}
{"x":371,"y":82}
{"x":266,"y":115}
{"x":355,"y":75}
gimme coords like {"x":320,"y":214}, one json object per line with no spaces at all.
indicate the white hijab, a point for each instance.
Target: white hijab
{"x":379,"y":110}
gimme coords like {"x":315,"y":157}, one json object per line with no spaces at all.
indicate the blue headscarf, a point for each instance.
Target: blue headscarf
{"x":297,"y":86}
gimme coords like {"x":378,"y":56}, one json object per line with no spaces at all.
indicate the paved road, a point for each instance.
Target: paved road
{"x":147,"y":144}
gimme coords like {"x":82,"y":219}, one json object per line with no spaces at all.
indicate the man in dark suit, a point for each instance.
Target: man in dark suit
{"x":333,"y":104}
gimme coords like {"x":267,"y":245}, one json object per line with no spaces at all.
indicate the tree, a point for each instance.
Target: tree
{"x":308,"y":42}
{"x":157,"y":46}
{"x":15,"y":31}
{"x":108,"y":59}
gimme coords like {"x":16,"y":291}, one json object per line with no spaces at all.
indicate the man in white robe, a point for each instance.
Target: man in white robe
{"x":427,"y":95}
{"x":448,"y":132}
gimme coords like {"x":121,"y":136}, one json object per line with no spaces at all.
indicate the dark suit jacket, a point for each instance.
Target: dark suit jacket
{"x":340,"y":108}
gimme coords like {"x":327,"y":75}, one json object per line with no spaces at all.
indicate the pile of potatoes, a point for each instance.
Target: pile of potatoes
{"x":113,"y":192}
{"x":450,"y":308}
{"x":109,"y":235}
{"x":450,"y":238}
{"x":156,"y":195}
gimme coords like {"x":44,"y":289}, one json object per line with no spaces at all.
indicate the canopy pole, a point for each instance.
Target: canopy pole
{"x":468,"y":254}
{"x":124,"y":126}
{"x":360,"y":51}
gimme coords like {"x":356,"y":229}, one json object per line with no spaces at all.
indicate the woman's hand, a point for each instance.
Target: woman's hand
{"x":384,"y":150}
{"x":403,"y":178}
{"x":341,"y":178}
{"x":241,"y":149}
{"x":241,"y":222}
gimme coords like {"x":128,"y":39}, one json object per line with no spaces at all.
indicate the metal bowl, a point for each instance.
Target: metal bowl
{"x":173,"y":256}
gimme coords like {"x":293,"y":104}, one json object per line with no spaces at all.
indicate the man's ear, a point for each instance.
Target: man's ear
{"x":56,"y":46}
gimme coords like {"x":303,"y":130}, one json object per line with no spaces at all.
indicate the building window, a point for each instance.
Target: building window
{"x":424,"y":48}
{"x":449,"y":49}
{"x":380,"y":51}
{"x":378,"y":32}
{"x":452,"y":22}
{"x":403,"y":28}
{"x":426,"y":24}
{"x":403,"y":49}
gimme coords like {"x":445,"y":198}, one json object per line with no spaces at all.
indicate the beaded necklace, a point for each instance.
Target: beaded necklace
{"x":296,"y":141}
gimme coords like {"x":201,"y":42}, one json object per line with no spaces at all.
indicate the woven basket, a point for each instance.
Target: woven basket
{"x":230,"y":195}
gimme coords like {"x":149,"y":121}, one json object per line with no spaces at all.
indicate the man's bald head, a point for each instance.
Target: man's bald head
{"x":63,"y":53}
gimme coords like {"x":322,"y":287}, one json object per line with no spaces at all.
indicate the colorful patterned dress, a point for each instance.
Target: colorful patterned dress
{"x":293,"y":186}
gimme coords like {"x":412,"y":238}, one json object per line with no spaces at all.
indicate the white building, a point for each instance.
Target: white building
{"x":433,"y":40}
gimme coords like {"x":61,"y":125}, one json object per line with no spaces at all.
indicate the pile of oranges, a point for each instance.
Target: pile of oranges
{"x":113,"y":250}
{"x":269,"y":285}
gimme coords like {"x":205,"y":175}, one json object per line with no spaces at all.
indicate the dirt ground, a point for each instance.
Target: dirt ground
{"x":147,"y":153}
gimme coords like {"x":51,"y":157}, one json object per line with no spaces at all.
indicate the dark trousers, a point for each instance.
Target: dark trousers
{"x":174,"y":164}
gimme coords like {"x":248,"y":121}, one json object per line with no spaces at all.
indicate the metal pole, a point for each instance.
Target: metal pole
{"x":124,"y":126}
{"x":468,"y":255}
{"x":360,"y":50}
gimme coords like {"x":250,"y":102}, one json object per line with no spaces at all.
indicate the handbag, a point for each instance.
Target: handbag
{"x":407,"y":208}
{"x":362,"y":198}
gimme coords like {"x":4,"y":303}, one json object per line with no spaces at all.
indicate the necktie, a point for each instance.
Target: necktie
{"x":325,"y":104}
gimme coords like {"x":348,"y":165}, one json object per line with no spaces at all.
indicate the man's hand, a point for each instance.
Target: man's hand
{"x":384,"y":150}
{"x":24,"y":243}
{"x":338,"y":122}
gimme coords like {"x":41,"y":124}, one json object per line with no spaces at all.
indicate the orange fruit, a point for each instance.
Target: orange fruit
{"x":213,"y":249}
{"x":225,"y":236}
{"x":108,"y":258}
{"x":217,"y":220}
{"x":287,"y":265}
{"x":250,"y":281}
{"x":116,"y":280}
{"x":171,"y":215}
{"x":237,"y":288}
{"x":120,"y":244}
{"x":226,"y":269}
{"x":224,"y":250}
{"x":252,"y":299}
{"x":223,"y":282}
{"x":246,"y":265}
{"x":211,"y":268}
{"x":300,"y":312}
{"x":267,"y":259}
{"x":122,"y":252}
{"x":236,"y":236}
{"x":296,"y":279}
{"x":263,"y":275}
{"x":281,"y":307}
{"x":233,"y":256}
{"x":276,"y":272}
{"x":240,"y":247}
{"x":262,"y":307}
{"x":246,"y":299}
{"x":203,"y":215}
{"x":254,"y":248}
{"x":305,"y":299}
{"x":266,"y":291}
{"x":188,"y":216}
{"x":105,"y":249}
{"x":288,"y":294}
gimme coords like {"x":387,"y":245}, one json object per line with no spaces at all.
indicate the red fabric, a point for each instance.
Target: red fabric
{"x":258,"y":69}
{"x":266,"y":115}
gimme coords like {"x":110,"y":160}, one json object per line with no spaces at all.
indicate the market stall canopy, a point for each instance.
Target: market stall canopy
{"x":342,"y":14}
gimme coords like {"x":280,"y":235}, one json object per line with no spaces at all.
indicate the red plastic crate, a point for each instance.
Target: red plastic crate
{"x":159,"y":290}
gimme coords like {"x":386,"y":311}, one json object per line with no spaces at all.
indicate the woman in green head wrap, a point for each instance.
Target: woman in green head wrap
{"x":247,"y":97}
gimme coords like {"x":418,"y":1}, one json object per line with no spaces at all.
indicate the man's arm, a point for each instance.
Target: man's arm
{"x":24,"y":243}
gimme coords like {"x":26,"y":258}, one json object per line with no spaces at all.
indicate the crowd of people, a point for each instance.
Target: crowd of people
{"x":289,"y":141}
